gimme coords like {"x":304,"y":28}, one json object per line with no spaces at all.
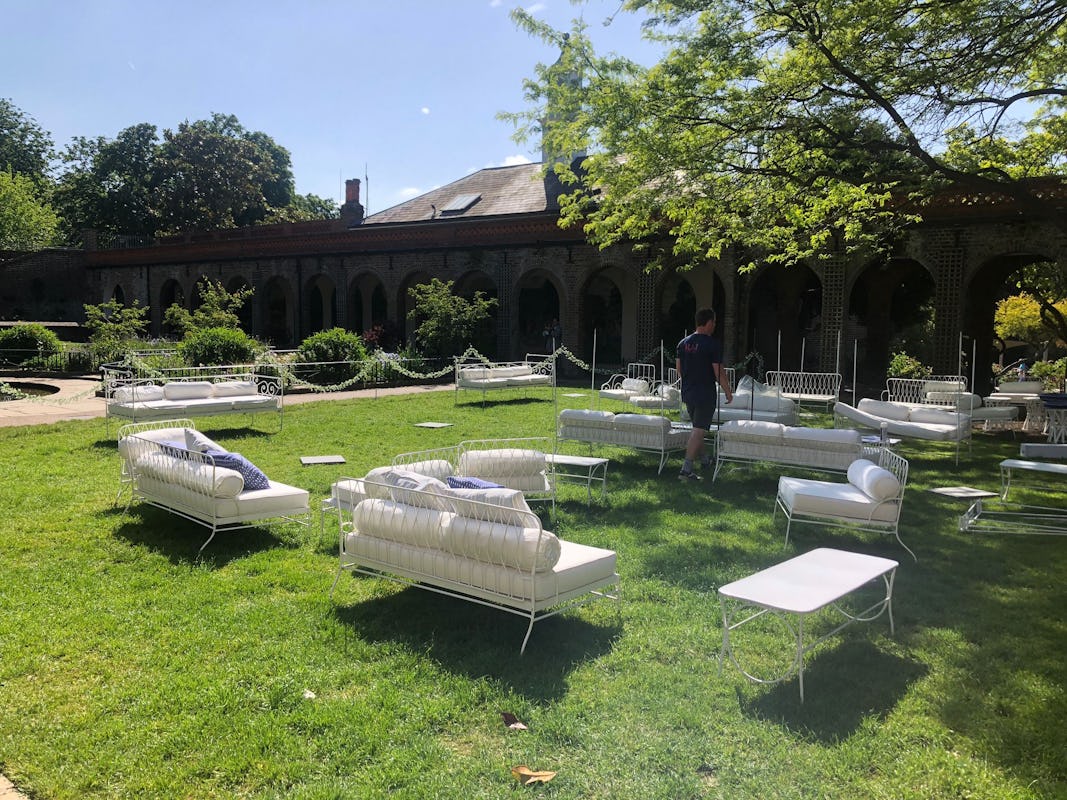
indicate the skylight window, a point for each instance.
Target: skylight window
{"x":460,"y":203}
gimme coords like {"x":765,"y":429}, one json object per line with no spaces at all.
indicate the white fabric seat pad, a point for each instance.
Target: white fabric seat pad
{"x":279,"y":500}
{"x":826,"y":499}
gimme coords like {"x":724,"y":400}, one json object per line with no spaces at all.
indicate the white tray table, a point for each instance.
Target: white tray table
{"x":801,"y":586}
{"x":589,"y":469}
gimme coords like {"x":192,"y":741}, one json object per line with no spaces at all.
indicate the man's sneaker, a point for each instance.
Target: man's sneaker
{"x":688,"y":475}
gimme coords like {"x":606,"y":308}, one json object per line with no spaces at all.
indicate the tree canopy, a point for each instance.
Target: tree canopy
{"x":26,"y":221}
{"x":25,"y":147}
{"x":793,"y":128}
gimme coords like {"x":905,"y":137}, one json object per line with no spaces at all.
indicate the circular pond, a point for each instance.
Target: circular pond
{"x":28,"y":389}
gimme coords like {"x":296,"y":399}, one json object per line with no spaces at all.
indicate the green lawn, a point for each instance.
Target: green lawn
{"x":130,"y":669}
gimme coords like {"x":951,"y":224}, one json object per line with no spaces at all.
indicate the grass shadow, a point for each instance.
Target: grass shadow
{"x":843,"y":687}
{"x":477,"y":641}
{"x":179,"y":540}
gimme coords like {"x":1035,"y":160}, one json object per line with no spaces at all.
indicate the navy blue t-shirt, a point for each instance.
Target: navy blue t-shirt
{"x":697,"y":352}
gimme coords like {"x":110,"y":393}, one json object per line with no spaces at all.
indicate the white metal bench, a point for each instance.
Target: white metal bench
{"x":820,"y":388}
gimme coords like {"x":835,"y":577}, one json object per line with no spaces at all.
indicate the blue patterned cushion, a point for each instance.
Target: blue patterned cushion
{"x":471,"y":483}
{"x":254,"y":477}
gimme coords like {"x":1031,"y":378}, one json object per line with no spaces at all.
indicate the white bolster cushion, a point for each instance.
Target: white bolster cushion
{"x":196,"y":475}
{"x":752,"y":429}
{"x":417,"y":490}
{"x":474,"y":373}
{"x":507,"y":545}
{"x":637,"y":385}
{"x":439,"y":468}
{"x":502,"y":462}
{"x":876,"y":482}
{"x":397,"y":522}
{"x":138,"y":394}
{"x":187,"y":390}
{"x":1021,"y":387}
{"x":234,"y":389}
{"x":586,"y":418}
{"x":884,"y":409}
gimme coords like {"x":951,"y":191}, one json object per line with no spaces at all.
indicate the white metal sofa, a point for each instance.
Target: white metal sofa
{"x":870,"y":500}
{"x":756,"y":401}
{"x":480,"y":545}
{"x":637,"y":381}
{"x":142,"y":399}
{"x":170,"y":465}
{"x":646,"y":432}
{"x":484,"y":376}
{"x":906,"y":420}
{"x":816,"y":388}
{"x":749,"y":441}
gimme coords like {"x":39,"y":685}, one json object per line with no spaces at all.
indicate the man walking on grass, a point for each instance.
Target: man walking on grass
{"x":699,"y":365}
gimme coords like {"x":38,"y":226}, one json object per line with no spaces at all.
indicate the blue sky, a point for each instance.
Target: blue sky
{"x":406,"y":90}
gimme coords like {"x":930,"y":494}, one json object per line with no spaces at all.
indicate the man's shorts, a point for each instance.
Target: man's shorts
{"x":702,"y":414}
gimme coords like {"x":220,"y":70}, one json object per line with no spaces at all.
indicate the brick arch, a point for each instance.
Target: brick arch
{"x":367,"y":303}
{"x":237,"y":283}
{"x":320,"y":303}
{"x":278,"y":312}
{"x":538,"y":297}
{"x":403,"y":301}
{"x":605,"y":297}
{"x":786,"y":302}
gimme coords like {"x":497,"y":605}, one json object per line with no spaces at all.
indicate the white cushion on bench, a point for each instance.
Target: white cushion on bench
{"x":187,"y":390}
{"x":400,"y":522}
{"x":827,"y":438}
{"x":884,"y":409}
{"x":234,"y":388}
{"x":874,"y":481}
{"x":842,"y":500}
{"x":587,"y":418}
{"x":208,"y":479}
{"x":137,"y":394}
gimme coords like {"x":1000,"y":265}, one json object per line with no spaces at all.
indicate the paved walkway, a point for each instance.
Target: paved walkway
{"x":77,"y":399}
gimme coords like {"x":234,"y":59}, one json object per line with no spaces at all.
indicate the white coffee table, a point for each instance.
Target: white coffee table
{"x":799,"y":587}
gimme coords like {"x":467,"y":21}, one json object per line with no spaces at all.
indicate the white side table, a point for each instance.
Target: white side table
{"x":589,"y":469}
{"x":799,"y":587}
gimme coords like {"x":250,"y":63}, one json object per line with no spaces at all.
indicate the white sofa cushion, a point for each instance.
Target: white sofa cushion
{"x":634,"y":385}
{"x":474,"y":373}
{"x":233,"y":388}
{"x":506,"y":505}
{"x":884,"y":409}
{"x":935,"y":416}
{"x":1020,"y":387}
{"x":137,"y":394}
{"x":399,"y":522}
{"x":198,"y":442}
{"x":642,"y":421}
{"x":830,"y":438}
{"x":752,"y":430}
{"x":587,"y":417}
{"x":349,"y":493}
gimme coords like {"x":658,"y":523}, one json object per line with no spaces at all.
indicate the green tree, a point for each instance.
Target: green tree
{"x":218,"y":308}
{"x":1039,"y":313}
{"x":114,"y":328}
{"x":796,"y":127}
{"x":214,"y":174}
{"x":26,"y":221}
{"x":305,"y":207}
{"x":25,"y":147}
{"x":446,"y":323}
{"x":107,"y":185}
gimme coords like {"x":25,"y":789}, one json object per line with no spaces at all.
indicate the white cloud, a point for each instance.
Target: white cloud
{"x":496,"y":3}
{"x":408,"y":192}
{"x":535,"y":8}
{"x":509,"y":161}
{"x":425,"y":110}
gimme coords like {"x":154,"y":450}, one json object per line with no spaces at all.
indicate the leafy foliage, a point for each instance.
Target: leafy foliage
{"x":334,"y":345}
{"x":446,"y":323}
{"x":26,"y":221}
{"x":25,"y":147}
{"x":218,"y":309}
{"x":217,"y":346}
{"x":114,"y":328}
{"x":795,"y":129}
{"x":902,"y":365}
{"x":29,"y":337}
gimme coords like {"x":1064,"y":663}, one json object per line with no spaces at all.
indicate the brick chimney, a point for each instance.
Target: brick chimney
{"x":352,"y":210}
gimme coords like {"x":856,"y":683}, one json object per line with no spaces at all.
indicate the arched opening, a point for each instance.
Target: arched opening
{"x":118,"y":295}
{"x":602,"y":314}
{"x":485,"y":339}
{"x":404,"y":304}
{"x":891,"y":303}
{"x":321,"y":303}
{"x":244,"y":313}
{"x":279,"y":313}
{"x":537,"y":305}
{"x":170,"y":294}
{"x":785,"y":301}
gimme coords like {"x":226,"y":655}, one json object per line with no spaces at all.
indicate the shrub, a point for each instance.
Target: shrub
{"x":1051,"y":373}
{"x":901,"y":365}
{"x":218,"y":346}
{"x":334,"y":345}
{"x":28,"y":340}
